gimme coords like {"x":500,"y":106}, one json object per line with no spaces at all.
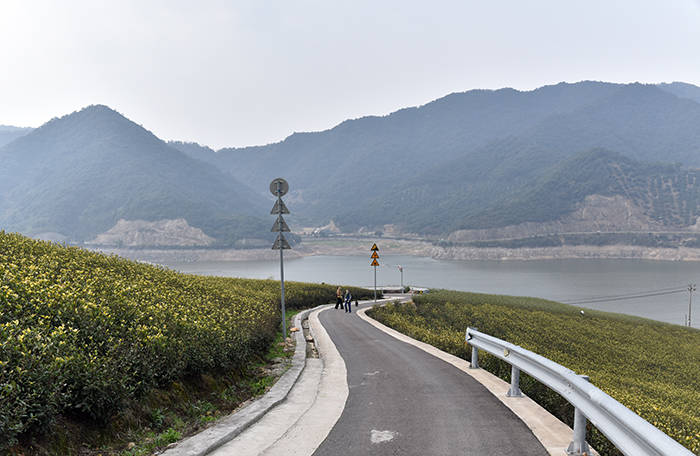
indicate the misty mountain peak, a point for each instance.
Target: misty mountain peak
{"x":96,"y":115}
{"x":79,"y":174}
{"x":90,"y":130}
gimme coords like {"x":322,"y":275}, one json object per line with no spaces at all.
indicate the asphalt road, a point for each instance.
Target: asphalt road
{"x":403,"y":401}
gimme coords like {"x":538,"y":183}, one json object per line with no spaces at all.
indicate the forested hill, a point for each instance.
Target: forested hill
{"x":77,"y":176}
{"x":437,"y":167}
{"x":666,"y":194}
{"x":363,"y":157}
{"x":682,"y":90}
{"x":640,"y":122}
{"x":9,"y":134}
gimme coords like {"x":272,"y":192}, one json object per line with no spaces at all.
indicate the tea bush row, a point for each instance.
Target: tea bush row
{"x":652,"y":368}
{"x":81,"y":333}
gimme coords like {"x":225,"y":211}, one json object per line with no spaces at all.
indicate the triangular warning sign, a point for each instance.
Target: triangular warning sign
{"x":280,"y":243}
{"x":279,"y":208}
{"x":280,"y":225}
{"x":374,"y":247}
{"x":375,"y":254}
{"x":375,"y":263}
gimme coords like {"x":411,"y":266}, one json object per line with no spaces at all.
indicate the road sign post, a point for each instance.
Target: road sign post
{"x":279,"y":188}
{"x":375,"y":263}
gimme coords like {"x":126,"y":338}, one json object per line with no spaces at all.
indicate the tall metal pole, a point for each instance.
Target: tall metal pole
{"x":279,"y":188}
{"x":374,"y":264}
{"x":284,"y":316}
{"x":691,"y":288}
{"x":375,"y":284}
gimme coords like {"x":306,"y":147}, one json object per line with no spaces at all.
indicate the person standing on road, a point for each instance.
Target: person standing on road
{"x":348,"y":301}
{"x":339,"y":298}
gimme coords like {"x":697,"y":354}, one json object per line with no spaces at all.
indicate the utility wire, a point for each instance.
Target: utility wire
{"x":658,"y":290}
{"x":621,"y":298}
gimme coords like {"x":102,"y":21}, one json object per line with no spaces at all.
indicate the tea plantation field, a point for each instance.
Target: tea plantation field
{"x":652,"y":368}
{"x":83,"y":334}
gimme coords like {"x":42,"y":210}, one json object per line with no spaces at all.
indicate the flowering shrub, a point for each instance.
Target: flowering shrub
{"x":652,"y":368}
{"x":81,"y":333}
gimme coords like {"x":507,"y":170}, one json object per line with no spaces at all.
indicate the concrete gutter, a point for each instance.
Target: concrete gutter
{"x":553,"y":434}
{"x":228,"y":428}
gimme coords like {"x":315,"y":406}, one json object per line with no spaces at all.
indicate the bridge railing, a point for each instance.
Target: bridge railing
{"x":629,"y":432}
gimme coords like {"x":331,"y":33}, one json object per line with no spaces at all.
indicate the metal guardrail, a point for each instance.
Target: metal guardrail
{"x":629,"y":432}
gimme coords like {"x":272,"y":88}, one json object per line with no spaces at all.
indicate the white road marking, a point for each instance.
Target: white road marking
{"x":382,"y":436}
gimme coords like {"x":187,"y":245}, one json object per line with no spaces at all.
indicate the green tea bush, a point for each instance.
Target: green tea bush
{"x":653,"y":368}
{"x":81,"y":333}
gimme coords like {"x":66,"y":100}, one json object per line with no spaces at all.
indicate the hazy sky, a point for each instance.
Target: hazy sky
{"x":234,"y":73}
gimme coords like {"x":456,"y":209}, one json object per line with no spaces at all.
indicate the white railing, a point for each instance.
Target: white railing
{"x":629,"y":432}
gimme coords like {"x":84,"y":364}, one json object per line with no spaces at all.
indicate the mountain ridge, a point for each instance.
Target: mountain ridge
{"x":435,"y":199}
{"x":435,"y":184}
{"x":481,"y":159}
{"x":79,"y":174}
{"x":9,"y":133}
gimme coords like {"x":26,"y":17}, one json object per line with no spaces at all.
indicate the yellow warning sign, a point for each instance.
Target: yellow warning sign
{"x":374,"y":248}
{"x":375,"y":262}
{"x":375,"y":254}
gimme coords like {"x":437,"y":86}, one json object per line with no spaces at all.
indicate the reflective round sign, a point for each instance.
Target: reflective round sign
{"x":279,"y":187}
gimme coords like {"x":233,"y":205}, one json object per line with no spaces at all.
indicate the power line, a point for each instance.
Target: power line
{"x":658,"y":290}
{"x":625,"y":297}
{"x":621,"y":298}
{"x":622,"y":295}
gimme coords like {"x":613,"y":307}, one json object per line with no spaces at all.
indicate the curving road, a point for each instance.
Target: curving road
{"x":403,"y":401}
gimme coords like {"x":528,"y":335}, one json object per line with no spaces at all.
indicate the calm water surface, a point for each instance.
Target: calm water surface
{"x":560,"y":280}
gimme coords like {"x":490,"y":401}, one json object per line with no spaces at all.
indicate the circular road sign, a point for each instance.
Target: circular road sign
{"x":279,"y":187}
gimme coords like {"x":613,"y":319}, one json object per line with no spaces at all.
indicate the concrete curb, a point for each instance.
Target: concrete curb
{"x":228,"y":428}
{"x":553,"y":434}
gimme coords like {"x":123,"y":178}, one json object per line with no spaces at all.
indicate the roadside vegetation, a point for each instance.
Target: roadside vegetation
{"x":653,"y":368}
{"x":96,"y":350}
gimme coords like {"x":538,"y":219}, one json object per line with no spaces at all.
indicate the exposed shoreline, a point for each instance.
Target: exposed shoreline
{"x":355,"y":246}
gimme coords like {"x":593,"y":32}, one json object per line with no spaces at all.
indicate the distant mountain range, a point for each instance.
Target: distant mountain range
{"x":503,"y":162}
{"x":9,"y":134}
{"x":467,"y":160}
{"x":76,"y":177}
{"x":642,"y":123}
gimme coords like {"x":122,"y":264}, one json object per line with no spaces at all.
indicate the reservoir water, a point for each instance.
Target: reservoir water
{"x":602,"y":281}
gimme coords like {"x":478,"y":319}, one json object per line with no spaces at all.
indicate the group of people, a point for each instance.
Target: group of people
{"x":343,"y":301}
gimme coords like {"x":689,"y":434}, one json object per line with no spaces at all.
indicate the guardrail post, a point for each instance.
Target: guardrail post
{"x":514,"y":390}
{"x":474,"y":363}
{"x":579,"y":446}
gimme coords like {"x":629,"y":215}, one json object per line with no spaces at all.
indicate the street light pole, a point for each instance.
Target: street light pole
{"x":401,"y":271}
